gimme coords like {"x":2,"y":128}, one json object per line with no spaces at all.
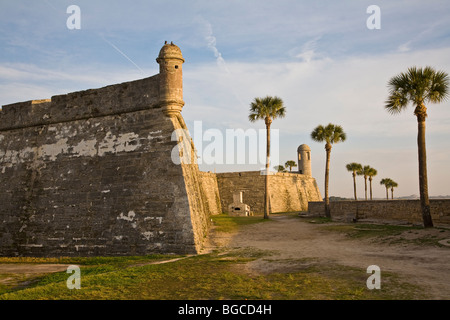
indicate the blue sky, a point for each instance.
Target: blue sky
{"x":318,"y":56}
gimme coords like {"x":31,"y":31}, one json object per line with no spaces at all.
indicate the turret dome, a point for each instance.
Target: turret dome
{"x":303,"y":147}
{"x":170,"y":51}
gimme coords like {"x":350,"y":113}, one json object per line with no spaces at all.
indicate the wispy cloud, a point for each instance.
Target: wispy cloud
{"x":429,"y":32}
{"x":308,"y":50}
{"x":226,"y":76}
{"x":211,"y":42}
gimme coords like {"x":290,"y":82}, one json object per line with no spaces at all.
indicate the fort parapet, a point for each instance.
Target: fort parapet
{"x":93,"y":103}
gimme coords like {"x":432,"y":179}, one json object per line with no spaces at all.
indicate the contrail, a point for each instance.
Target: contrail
{"x":211,"y":40}
{"x":123,"y":54}
{"x":212,"y":45}
{"x":52,"y":6}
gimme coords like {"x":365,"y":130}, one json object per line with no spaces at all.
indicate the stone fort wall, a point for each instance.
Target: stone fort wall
{"x":103,"y":172}
{"x":92,"y":173}
{"x":288,"y":191}
{"x":402,"y":211}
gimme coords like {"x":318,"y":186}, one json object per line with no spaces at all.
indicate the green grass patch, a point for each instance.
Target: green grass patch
{"x":368,"y":230}
{"x":87,"y":260}
{"x":227,"y":223}
{"x":90,"y":266}
{"x":319,"y":220}
{"x":213,"y":276}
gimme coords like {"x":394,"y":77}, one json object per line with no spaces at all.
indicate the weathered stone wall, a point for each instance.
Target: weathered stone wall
{"x":210,"y":191}
{"x":91,"y":173}
{"x":407,"y":211}
{"x":288,"y":191}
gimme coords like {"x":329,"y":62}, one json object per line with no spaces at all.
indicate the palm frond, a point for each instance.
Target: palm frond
{"x":318,"y":134}
{"x":337,"y":133}
{"x":331,"y":134}
{"x":271,"y":107}
{"x":386,"y":181}
{"x":372,"y":172}
{"x":354,"y":167}
{"x":416,"y":86}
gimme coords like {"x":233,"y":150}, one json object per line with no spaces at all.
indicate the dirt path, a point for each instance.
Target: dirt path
{"x":291,"y":239}
{"x":28,"y":269}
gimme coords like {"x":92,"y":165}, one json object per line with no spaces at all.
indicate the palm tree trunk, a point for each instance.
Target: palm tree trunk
{"x":370,"y":184}
{"x":266,"y":182}
{"x":387,"y":194}
{"x":354,"y":185}
{"x":327,"y":177}
{"x":392,"y":193}
{"x":423,"y":179}
{"x":365,"y":187}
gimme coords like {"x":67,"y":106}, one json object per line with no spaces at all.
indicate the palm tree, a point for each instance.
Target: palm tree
{"x":290,"y":164}
{"x":387,"y":184}
{"x":365,"y":171}
{"x":393,"y":185}
{"x":419,"y":86}
{"x":267,"y":109}
{"x":330,"y":134}
{"x":354,"y":168}
{"x":372,"y":173}
{"x":280,"y":168}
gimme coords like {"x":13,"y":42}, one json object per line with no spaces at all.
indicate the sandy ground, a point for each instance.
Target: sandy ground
{"x":32,"y":268}
{"x":291,"y":238}
{"x":21,"y":275}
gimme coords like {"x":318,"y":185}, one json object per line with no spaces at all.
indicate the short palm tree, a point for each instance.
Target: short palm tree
{"x":354,"y":168}
{"x":393,"y":185}
{"x":331,"y":134}
{"x":365,"y":171}
{"x":279,"y":168}
{"x":267,"y":109}
{"x":372,"y":173}
{"x":289,"y":164}
{"x":419,"y":86}
{"x":387,"y":183}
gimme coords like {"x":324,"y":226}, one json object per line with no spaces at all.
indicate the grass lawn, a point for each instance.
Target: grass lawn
{"x":217,"y":275}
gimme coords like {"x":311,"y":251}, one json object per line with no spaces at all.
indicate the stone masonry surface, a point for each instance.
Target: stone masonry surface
{"x":91,"y":173}
{"x":400,"y":211}
{"x":288,"y":191}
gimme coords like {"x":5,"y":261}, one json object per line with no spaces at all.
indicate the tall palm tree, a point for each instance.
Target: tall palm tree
{"x":387,"y":183}
{"x":290,"y":164}
{"x":267,"y":109}
{"x":354,"y":168}
{"x":372,"y":173}
{"x":393,"y":185}
{"x":365,"y":171}
{"x":330,"y":134}
{"x":419,"y":86}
